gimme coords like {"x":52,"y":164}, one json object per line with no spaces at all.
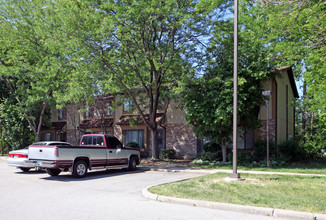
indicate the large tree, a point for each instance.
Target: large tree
{"x":124,"y":45}
{"x":31,"y":62}
{"x":297,"y":31}
{"x":208,"y":100}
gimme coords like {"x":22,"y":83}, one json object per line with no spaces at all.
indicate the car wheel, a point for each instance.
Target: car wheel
{"x":80,"y":169}
{"x":53,"y":172}
{"x":24,"y":169}
{"x":132,"y":163}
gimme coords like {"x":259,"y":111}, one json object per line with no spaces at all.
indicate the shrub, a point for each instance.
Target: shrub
{"x":132,"y":145}
{"x":167,"y":153}
{"x":210,"y":156}
{"x":293,"y":151}
{"x":211,"y":147}
{"x":260,"y":150}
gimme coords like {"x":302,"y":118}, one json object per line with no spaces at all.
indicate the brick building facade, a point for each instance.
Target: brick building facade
{"x":70,"y":123}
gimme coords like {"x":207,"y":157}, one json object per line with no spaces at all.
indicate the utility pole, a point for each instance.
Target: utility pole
{"x":234,"y":174}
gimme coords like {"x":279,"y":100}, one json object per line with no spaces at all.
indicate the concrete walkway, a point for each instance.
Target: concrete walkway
{"x":278,"y":213}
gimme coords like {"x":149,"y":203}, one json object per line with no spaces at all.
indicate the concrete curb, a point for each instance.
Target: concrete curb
{"x":278,"y":213}
{"x":204,"y":171}
{"x":3,"y":158}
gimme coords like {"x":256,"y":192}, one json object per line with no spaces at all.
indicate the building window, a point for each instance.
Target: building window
{"x":108,"y":109}
{"x":89,"y":112}
{"x":133,"y":136}
{"x":47,"y":137}
{"x":62,"y":114}
{"x":102,"y":132}
{"x":128,"y":105}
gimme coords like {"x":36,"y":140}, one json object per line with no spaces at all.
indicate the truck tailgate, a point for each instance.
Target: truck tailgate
{"x":41,"y":152}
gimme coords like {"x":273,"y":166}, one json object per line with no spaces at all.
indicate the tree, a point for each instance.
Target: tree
{"x":119,"y":46}
{"x":31,"y":64}
{"x":208,"y":99}
{"x":298,"y":35}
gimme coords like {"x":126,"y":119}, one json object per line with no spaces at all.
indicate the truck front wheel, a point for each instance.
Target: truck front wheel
{"x":80,"y":169}
{"x":53,"y":172}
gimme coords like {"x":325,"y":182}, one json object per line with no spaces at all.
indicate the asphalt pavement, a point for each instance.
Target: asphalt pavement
{"x":116,"y":194}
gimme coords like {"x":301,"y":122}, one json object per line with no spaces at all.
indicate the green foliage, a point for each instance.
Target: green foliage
{"x":211,"y":147}
{"x":31,"y":61}
{"x":260,"y":150}
{"x":132,"y":145}
{"x":208,"y":99}
{"x":210,"y":156}
{"x":167,"y":153}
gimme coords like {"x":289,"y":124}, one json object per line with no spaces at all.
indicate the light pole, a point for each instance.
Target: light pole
{"x":234,"y":174}
{"x":267,"y":93}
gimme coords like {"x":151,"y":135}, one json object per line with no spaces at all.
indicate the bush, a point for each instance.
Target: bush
{"x":167,"y":153}
{"x":260,"y":151}
{"x":132,"y":145}
{"x":210,"y":156}
{"x":211,"y":147}
{"x":293,"y":151}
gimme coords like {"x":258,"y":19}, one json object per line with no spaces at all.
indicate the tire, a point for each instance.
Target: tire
{"x":24,"y":169}
{"x":53,"y":172}
{"x":132,"y":163}
{"x":80,"y":169}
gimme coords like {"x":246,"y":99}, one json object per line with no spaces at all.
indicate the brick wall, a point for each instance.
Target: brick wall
{"x":262,"y":132}
{"x":73,"y":136}
{"x":182,"y":139}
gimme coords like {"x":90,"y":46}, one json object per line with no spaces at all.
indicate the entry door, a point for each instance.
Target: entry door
{"x":160,"y":139}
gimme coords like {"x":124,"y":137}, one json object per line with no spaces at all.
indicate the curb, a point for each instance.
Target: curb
{"x":278,"y":213}
{"x":204,"y":171}
{"x":3,"y":158}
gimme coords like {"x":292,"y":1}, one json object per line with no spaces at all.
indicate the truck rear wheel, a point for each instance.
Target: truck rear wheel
{"x":132,"y":163}
{"x":80,"y":169}
{"x":53,"y":172}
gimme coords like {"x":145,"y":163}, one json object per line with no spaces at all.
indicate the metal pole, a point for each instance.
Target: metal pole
{"x":235,"y":92}
{"x":267,"y":130}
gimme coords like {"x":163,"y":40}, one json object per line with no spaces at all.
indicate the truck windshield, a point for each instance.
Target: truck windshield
{"x":92,"y":141}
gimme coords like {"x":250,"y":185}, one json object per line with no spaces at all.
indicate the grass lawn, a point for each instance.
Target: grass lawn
{"x":300,"y":193}
{"x":308,"y":167}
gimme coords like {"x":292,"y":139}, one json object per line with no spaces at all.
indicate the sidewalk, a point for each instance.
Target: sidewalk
{"x":184,"y":166}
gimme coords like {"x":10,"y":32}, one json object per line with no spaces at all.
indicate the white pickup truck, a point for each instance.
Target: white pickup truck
{"x":96,"y":151}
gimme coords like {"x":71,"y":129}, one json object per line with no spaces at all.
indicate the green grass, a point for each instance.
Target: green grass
{"x":308,"y":167}
{"x":300,"y":193}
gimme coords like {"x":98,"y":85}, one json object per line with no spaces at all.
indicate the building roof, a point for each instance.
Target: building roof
{"x":96,"y":123}
{"x":289,"y":71}
{"x":125,"y":119}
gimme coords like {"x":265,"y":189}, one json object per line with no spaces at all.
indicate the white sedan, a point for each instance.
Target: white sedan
{"x":19,"y":158}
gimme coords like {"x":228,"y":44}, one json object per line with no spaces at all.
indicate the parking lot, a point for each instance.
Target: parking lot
{"x":114,"y":194}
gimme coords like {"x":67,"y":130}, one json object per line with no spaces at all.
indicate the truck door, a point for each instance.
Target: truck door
{"x":115,"y":152}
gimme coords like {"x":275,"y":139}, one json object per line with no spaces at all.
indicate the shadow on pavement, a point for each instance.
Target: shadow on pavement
{"x":92,"y":175}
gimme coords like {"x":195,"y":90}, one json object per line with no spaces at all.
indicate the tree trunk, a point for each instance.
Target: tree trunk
{"x":155,"y":153}
{"x":224,"y":146}
{"x":37,"y":135}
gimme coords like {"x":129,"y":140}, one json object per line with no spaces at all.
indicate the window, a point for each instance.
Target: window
{"x":92,"y":141}
{"x":101,"y":132}
{"x":128,"y":105}
{"x":108,"y":109}
{"x":62,"y":114}
{"x":133,"y":136}
{"x":89,"y":112}
{"x":47,"y":137}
